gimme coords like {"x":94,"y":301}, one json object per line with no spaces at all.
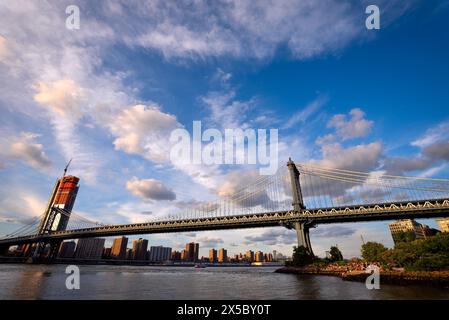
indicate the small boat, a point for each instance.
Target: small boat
{"x":199,"y":266}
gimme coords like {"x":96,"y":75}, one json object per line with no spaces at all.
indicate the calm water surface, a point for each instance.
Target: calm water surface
{"x":133,"y":282}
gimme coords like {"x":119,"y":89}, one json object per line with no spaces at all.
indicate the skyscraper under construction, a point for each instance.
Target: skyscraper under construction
{"x":60,"y":204}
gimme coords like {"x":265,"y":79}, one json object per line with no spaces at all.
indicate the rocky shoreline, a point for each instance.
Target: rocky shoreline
{"x":425,"y":278}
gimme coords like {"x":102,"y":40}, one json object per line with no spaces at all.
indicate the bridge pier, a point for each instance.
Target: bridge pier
{"x":46,"y":252}
{"x":4,"y":250}
{"x":302,"y":232}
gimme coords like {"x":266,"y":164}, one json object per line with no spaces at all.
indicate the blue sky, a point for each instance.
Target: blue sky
{"x":110,"y":93}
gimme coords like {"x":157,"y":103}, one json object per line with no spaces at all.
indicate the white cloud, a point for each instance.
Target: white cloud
{"x":363,"y":157}
{"x":235,"y":181}
{"x":16,"y":206}
{"x":150,"y":189}
{"x":63,"y":97}
{"x":399,"y":165}
{"x":239,"y":29}
{"x":306,"y":112}
{"x":209,"y":242}
{"x":355,"y":127}
{"x":247,"y":28}
{"x":175,"y":40}
{"x":144,"y":130}
{"x":3,"y":48}
{"x":326,"y":139}
{"x":225,"y":111}
{"x":26,"y":149}
{"x":433,"y":135}
{"x":223,"y":76}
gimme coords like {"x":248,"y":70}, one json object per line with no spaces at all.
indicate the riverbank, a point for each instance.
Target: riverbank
{"x":425,"y":278}
{"x":138,"y":263}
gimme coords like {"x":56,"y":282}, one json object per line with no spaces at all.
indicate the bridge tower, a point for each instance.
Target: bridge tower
{"x":301,"y":227}
{"x":57,"y":214}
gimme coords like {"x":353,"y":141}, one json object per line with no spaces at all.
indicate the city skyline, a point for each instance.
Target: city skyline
{"x":110,"y":104}
{"x":141,"y":250}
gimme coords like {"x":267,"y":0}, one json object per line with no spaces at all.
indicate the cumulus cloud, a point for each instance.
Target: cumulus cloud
{"x":332,"y":231}
{"x":209,"y":242}
{"x":437,"y":151}
{"x":26,"y":149}
{"x":400,"y":165}
{"x":63,"y":97}
{"x":433,"y":153}
{"x":18,"y":207}
{"x":144,"y":130}
{"x":150,"y":189}
{"x":363,"y":157}
{"x":354,"y":127}
{"x":274,"y":236}
{"x":249,"y":194}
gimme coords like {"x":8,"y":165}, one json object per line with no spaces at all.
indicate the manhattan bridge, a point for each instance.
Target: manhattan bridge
{"x":298,"y":196}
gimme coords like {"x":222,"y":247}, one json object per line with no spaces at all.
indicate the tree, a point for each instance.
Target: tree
{"x":335,"y":254}
{"x":301,"y":257}
{"x":406,"y":236}
{"x":419,"y":255}
{"x":372,"y":251}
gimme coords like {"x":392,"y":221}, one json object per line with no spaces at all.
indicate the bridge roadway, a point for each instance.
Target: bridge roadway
{"x":375,"y":212}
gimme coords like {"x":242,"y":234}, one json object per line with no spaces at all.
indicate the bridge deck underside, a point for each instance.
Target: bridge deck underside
{"x":389,"y":211}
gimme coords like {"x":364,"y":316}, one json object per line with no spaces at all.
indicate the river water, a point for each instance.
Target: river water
{"x":19,"y":281}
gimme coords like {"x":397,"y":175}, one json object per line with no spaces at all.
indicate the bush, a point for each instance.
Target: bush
{"x":430,"y":254}
{"x":372,"y":251}
{"x":335,"y":254}
{"x":301,"y":257}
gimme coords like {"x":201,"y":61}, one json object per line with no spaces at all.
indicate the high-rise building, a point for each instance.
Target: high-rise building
{"x":90,"y":248}
{"x":159,"y":253}
{"x":222,"y":255}
{"x":267,"y":257}
{"x":443,"y":224}
{"x":118,"y":250}
{"x":213,"y":255}
{"x":258,"y":256}
{"x":409,"y":226}
{"x":23,"y":250}
{"x":249,"y":256}
{"x":176,"y":256}
{"x":67,"y":249}
{"x":107,"y":253}
{"x":129,"y":254}
{"x":140,"y":247}
{"x":192,"y":251}
{"x":63,"y":197}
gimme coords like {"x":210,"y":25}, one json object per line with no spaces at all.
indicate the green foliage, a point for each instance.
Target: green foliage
{"x":335,"y":254}
{"x":301,"y":257}
{"x":407,"y":236}
{"x":372,"y":251}
{"x":429,"y":254}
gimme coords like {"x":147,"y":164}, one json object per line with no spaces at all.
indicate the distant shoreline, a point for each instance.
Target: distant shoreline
{"x":424,"y":278}
{"x":110,"y":262}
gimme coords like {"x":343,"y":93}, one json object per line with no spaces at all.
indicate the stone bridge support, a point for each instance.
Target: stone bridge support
{"x":302,"y":232}
{"x":301,"y":227}
{"x":4,"y":250}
